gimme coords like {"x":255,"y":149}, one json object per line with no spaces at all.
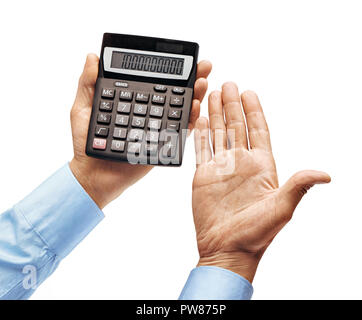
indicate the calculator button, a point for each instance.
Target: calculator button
{"x":152,"y":136}
{"x":135,"y":135}
{"x":122,"y":120}
{"x":138,"y":122}
{"x":169,"y":148}
{"x":117,"y":145}
{"x":124,"y":107}
{"x":126,"y":95}
{"x":140,"y":109}
{"x":106,"y":106}
{"x":134,"y":147}
{"x":178,"y":90}
{"x":121,"y":84}
{"x":156,"y":111}
{"x":108,"y":93}
{"x":101,"y":131}
{"x":151,"y":149}
{"x":174,"y":114}
{"x":160,"y":88}
{"x":104,"y":118}
{"x":154,"y":124}
{"x":142,"y":97}
{"x":158,"y":99}
{"x":176,"y":101}
{"x":120,"y":133}
{"x":173,"y":125}
{"x":99,"y":144}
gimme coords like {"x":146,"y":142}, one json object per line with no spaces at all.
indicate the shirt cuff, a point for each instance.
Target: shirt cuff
{"x":214,"y":283}
{"x":60,"y":212}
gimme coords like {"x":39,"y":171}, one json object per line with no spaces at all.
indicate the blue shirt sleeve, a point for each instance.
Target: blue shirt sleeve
{"x":39,"y":231}
{"x":214,"y":283}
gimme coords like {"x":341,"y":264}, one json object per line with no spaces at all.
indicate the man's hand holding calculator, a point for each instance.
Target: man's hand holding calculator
{"x":106,"y":180}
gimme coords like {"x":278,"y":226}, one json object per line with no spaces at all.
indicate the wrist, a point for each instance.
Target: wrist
{"x":85,"y":177}
{"x":243,"y":264}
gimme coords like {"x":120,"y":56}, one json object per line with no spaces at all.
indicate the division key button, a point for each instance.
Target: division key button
{"x":176,"y":101}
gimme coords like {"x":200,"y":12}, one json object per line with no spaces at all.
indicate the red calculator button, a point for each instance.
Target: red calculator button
{"x":99,"y":144}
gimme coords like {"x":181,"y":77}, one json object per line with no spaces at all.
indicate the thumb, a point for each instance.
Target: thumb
{"x":296,"y":187}
{"x":88,"y":80}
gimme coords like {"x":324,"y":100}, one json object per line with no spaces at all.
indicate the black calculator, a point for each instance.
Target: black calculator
{"x":142,"y":99}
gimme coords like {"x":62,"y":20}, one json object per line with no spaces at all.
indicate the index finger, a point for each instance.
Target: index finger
{"x":203,"y":69}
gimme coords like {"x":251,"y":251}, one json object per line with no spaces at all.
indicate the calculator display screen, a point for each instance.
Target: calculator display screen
{"x":147,"y":63}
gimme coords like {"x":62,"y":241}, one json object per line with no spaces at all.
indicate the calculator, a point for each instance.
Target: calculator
{"x":142,"y":100}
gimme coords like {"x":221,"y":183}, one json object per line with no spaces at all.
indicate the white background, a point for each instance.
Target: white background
{"x":303,"y":58}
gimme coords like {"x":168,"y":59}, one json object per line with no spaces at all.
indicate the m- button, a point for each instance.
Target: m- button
{"x":142,"y":97}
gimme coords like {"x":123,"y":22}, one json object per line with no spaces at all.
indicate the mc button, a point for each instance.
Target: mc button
{"x":108,"y":93}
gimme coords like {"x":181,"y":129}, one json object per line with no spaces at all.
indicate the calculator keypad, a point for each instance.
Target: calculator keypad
{"x":137,"y":120}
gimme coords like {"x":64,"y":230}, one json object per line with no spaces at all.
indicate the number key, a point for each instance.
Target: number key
{"x":156,"y":111}
{"x":152,"y":136}
{"x":140,"y":109}
{"x":138,"y":122}
{"x":135,"y":135}
{"x":117,"y":145}
{"x":122,"y":120}
{"x":120,"y":133}
{"x":154,"y":124}
{"x":124,"y":107}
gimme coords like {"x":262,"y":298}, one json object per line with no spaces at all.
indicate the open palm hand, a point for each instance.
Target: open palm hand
{"x":238,"y":205}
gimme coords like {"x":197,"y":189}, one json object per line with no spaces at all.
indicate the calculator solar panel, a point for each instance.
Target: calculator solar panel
{"x":142,"y":100}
